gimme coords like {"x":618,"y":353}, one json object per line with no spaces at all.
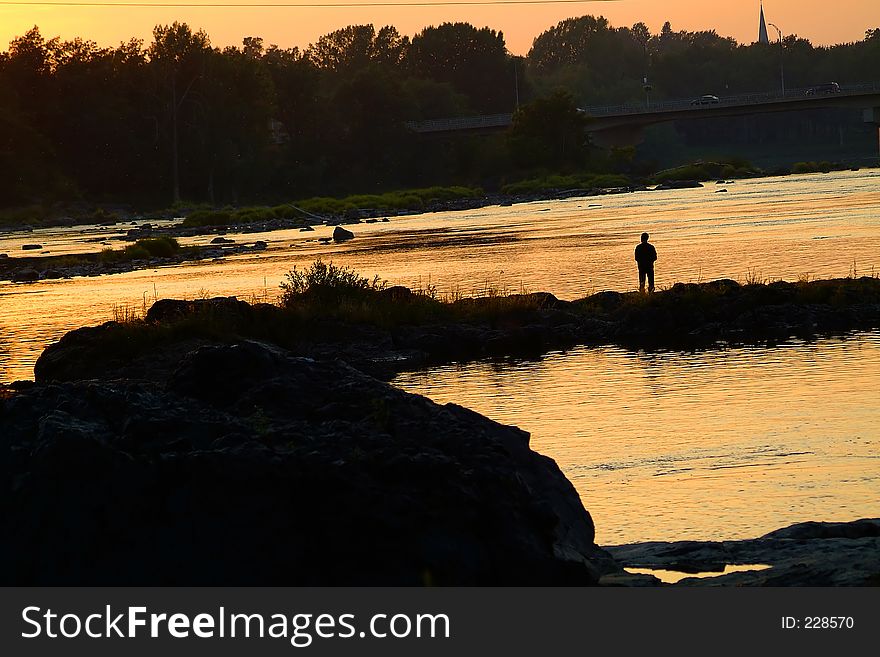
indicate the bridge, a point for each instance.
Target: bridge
{"x":623,"y":125}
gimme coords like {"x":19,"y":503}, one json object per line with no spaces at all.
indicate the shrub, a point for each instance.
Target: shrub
{"x":804,"y":167}
{"x":133,"y":252}
{"x":325,"y":281}
{"x":207,"y":218}
{"x":159,"y":247}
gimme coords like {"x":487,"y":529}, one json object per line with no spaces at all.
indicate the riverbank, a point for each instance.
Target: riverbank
{"x":141,"y":254}
{"x":382,"y":331}
{"x":805,"y":554}
{"x":248,"y":465}
{"x":200,"y":220}
{"x":144,"y":445}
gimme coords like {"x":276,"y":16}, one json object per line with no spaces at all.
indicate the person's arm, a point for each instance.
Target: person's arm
{"x":654,"y":252}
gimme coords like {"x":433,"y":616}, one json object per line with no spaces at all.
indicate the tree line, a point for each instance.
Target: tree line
{"x":178,"y":119}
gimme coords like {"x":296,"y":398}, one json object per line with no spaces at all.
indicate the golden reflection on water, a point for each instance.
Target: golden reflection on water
{"x":817,"y":225}
{"x":718,"y":444}
{"x":708,"y":445}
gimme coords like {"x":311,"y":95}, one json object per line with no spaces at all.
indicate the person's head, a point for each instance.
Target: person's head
{"x":644,"y":237}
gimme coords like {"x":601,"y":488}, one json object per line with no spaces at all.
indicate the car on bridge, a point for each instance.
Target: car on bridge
{"x":708,"y":99}
{"x":827,"y":88}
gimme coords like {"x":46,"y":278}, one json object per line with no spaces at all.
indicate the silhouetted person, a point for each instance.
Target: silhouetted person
{"x":646,"y":254}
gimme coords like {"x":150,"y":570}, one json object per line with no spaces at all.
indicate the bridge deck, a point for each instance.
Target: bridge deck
{"x":646,"y":113}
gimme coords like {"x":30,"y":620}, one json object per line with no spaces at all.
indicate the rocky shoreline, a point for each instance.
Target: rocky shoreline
{"x":218,"y":442}
{"x":36,"y":268}
{"x":804,"y":554}
{"x":32,"y":269}
{"x":246,"y":465}
{"x":395,"y":330}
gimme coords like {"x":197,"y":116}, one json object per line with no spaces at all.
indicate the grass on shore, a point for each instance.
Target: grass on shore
{"x":142,"y":249}
{"x":323,"y":206}
{"x":326,"y":304}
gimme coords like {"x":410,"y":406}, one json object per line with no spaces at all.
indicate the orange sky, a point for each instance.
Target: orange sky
{"x":820,"y":21}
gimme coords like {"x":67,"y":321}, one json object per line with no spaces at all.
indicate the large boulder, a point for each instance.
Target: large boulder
{"x":249,"y":466}
{"x":340,"y":234}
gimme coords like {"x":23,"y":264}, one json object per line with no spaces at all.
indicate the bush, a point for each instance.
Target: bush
{"x":132,"y":252}
{"x":207,"y":218}
{"x":325,"y":281}
{"x":159,"y":247}
{"x":804,"y":167}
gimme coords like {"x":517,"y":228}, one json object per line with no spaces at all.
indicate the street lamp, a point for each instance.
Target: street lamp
{"x":781,"y":51}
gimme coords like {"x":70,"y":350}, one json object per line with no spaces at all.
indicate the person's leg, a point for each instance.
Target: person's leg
{"x":641,"y":280}
{"x":650,"y":273}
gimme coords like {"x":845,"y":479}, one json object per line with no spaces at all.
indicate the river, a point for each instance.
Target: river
{"x":719,"y":443}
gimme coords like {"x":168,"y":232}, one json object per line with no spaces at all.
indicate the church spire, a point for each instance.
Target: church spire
{"x":762,"y":28}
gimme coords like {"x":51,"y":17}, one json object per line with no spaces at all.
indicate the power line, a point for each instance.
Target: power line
{"x":309,"y":5}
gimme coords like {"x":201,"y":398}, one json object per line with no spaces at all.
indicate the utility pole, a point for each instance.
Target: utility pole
{"x":781,"y":53}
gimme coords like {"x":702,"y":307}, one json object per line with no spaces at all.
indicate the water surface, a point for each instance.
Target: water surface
{"x":814,"y":225}
{"x":717,"y":444}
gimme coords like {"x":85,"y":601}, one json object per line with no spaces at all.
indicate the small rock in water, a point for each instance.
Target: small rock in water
{"x":260,"y":245}
{"x":341,"y":235}
{"x":31,"y":247}
{"x":306,"y":229}
{"x":222,"y":240}
{"x":719,"y":191}
{"x":25,"y":276}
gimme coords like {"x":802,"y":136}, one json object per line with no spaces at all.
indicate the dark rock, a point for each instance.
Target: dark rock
{"x":168,"y":309}
{"x":340,"y":234}
{"x":260,"y":245}
{"x":52,"y":274}
{"x":536,"y":299}
{"x":812,"y":530}
{"x":3,"y":255}
{"x":222,"y":240}
{"x":806,"y":554}
{"x":25,"y":276}
{"x":31,"y":247}
{"x":679,"y":184}
{"x":607,"y":299}
{"x":306,"y":229}
{"x":397,"y":293}
{"x":248,"y":466}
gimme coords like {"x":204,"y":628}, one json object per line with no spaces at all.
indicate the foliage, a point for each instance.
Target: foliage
{"x":143,"y":249}
{"x":549,"y":132}
{"x":322,"y":206}
{"x":575,"y":181}
{"x":735,"y":168}
{"x":815,"y":167}
{"x":325,"y":281}
{"x":177,"y":118}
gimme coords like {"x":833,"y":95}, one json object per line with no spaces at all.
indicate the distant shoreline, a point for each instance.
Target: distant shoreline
{"x":85,"y":264}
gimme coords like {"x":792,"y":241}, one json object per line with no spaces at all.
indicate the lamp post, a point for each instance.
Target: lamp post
{"x":781,"y":51}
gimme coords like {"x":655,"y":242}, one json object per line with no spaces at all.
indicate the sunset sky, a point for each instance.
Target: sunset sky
{"x":820,"y":21}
